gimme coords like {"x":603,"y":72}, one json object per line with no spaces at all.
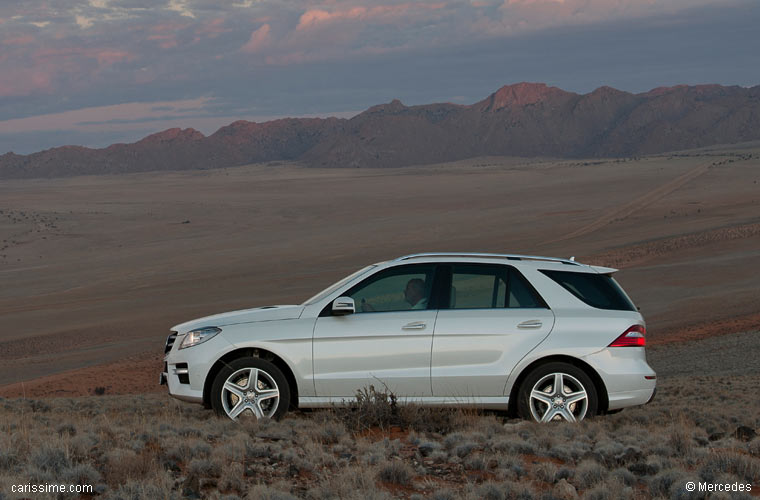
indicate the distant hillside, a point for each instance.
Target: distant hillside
{"x":526,"y":119}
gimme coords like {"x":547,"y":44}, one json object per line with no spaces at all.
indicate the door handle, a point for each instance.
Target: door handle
{"x":415,"y":325}
{"x":531,"y":323}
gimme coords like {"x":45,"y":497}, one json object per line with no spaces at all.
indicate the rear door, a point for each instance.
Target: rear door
{"x":489,"y":319}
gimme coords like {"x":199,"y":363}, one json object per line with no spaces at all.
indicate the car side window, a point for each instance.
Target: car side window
{"x":478,"y":287}
{"x":400,"y":288}
{"x":522,"y":294}
{"x":488,"y":286}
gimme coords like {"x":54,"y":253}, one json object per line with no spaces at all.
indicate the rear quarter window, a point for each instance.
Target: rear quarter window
{"x":597,"y":290}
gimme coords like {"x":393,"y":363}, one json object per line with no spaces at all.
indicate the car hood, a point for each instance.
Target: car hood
{"x":268,"y":313}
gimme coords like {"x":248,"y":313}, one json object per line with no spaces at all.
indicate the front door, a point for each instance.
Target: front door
{"x":386,"y":343}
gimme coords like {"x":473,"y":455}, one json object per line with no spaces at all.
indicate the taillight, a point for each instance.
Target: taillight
{"x":635,"y":336}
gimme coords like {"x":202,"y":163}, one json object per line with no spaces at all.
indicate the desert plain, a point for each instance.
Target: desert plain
{"x":95,"y":270}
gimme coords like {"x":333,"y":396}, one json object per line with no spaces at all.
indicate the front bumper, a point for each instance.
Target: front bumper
{"x":185,"y":370}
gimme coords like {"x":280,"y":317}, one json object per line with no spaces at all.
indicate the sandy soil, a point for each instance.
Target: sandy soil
{"x":95,"y":270}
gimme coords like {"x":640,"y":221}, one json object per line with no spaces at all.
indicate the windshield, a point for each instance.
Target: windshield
{"x":330,"y":289}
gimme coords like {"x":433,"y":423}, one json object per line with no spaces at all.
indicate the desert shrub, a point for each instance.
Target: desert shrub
{"x":476,"y":462}
{"x":123,"y":465}
{"x":444,"y":494}
{"x":514,"y":445}
{"x":608,"y":450}
{"x":263,"y":492}
{"x":509,"y":468}
{"x":202,"y":467}
{"x":564,"y":490}
{"x":489,"y":491}
{"x":66,"y":430}
{"x":81,"y":474}
{"x":315,"y":454}
{"x":546,"y":472}
{"x":668,"y":483}
{"x":517,"y":490}
{"x":350,"y":483}
{"x":158,"y":486}
{"x":330,"y":432}
{"x":569,"y":451}
{"x":589,"y":473}
{"x":743,"y":466}
{"x":230,"y":450}
{"x":395,"y":472}
{"x":465,"y":449}
{"x":680,"y":441}
{"x":374,"y":408}
{"x":50,"y":458}
{"x":754,"y":447}
{"x":428,"y":447}
{"x":624,"y":476}
{"x":232,"y":478}
{"x":608,"y":490}
{"x":82,"y":446}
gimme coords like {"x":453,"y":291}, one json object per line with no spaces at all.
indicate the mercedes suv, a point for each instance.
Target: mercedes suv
{"x":546,"y":338}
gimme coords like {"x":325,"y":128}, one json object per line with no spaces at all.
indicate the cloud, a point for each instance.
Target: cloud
{"x":84,"y":22}
{"x":20,"y":40}
{"x":213,"y":28}
{"x":259,"y":39}
{"x":180,"y":6}
{"x":380,"y":13}
{"x":91,"y":119}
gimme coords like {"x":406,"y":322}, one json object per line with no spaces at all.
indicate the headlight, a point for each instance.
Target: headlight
{"x":199,"y":336}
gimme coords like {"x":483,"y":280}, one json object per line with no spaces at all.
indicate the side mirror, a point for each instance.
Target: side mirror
{"x":343,"y":305}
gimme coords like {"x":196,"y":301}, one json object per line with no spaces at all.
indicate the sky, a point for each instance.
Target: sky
{"x":96,"y":72}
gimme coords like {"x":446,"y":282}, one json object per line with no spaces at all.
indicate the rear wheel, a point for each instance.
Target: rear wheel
{"x":250,"y":388}
{"x":557,"y":391}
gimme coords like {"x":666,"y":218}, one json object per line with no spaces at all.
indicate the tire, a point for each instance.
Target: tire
{"x":269,"y":398}
{"x":538,"y":399}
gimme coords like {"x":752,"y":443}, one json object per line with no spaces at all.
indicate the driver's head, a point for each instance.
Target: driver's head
{"x":414,"y":291}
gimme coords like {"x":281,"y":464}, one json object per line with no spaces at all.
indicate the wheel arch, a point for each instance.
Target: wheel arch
{"x":601,"y":389}
{"x":251,"y":352}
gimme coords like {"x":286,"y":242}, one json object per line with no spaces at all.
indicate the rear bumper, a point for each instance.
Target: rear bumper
{"x":627,"y":377}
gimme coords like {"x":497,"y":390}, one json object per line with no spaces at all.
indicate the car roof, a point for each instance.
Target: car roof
{"x":533,"y":261}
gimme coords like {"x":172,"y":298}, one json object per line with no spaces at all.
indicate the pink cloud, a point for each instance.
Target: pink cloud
{"x":20,"y":40}
{"x":104,"y":57}
{"x":24,"y":81}
{"x":45,"y":68}
{"x":109,"y":57}
{"x":167,"y":41}
{"x":167,"y":27}
{"x":259,"y":39}
{"x":385,"y":13}
{"x":212,"y":28}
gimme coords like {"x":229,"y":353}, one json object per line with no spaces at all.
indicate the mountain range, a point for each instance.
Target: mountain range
{"x":525,"y":119}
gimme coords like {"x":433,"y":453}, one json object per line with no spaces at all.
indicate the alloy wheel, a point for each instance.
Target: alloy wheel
{"x":250,"y":392}
{"x":558,"y":396}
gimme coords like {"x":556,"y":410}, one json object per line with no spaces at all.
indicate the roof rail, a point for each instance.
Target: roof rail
{"x":488,"y":255}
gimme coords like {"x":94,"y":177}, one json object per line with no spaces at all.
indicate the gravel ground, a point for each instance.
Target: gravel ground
{"x":735,"y":354}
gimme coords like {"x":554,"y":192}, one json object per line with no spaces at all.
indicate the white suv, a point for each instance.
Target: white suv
{"x":549,"y":339}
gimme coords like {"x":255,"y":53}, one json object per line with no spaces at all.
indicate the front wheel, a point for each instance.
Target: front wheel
{"x":250,"y":387}
{"x":557,"y":391}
